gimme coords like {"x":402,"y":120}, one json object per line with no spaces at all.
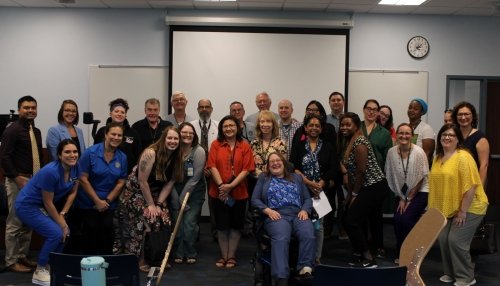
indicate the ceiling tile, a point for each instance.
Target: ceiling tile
{"x":126,"y":3}
{"x":163,"y":4}
{"x":9,"y":3}
{"x":349,"y":8}
{"x":435,"y":10}
{"x":305,"y":6}
{"x":260,"y":5}
{"x":215,"y":5}
{"x":476,"y":12}
{"x":86,"y":4}
{"x":39,"y":3}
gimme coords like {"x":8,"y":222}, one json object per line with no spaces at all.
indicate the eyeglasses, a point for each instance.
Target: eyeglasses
{"x":448,"y":135}
{"x":187,"y":133}
{"x":466,"y":114}
{"x":275,"y":161}
{"x":371,"y":110}
{"x":312,"y":110}
{"x":178,"y":100}
{"x":70,"y":110}
{"x":229,"y":126}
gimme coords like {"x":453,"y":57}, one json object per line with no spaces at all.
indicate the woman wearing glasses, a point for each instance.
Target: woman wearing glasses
{"x":456,"y":190}
{"x":465,"y":115}
{"x":230,"y":160}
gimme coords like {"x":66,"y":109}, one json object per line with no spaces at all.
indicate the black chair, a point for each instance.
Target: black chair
{"x":65,"y":269}
{"x":326,"y":275}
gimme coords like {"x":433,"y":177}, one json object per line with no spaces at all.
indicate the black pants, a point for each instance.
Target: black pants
{"x":367,"y":204}
{"x":97,"y":232}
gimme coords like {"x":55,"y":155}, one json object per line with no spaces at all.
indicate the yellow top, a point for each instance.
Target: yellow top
{"x":448,"y":182}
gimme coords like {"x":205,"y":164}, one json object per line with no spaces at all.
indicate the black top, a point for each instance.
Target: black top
{"x":15,"y":150}
{"x":131,"y":144}
{"x":148,"y":135}
{"x":327,"y":134}
{"x":327,"y":158}
{"x":471,"y":142}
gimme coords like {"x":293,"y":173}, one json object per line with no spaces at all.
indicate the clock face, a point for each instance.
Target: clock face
{"x":418,"y":47}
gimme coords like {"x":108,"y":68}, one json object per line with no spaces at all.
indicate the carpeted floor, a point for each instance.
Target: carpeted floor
{"x":335,"y":252}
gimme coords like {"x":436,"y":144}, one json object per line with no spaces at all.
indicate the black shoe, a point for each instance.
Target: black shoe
{"x":367,"y":263}
{"x":355,"y":261}
{"x":380,"y":253}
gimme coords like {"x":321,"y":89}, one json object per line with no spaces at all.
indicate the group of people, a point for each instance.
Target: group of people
{"x":105,"y":198}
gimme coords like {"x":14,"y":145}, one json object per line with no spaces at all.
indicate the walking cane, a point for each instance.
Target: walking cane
{"x":169,"y":247}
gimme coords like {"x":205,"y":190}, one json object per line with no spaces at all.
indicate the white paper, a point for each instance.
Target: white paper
{"x":322,"y":205}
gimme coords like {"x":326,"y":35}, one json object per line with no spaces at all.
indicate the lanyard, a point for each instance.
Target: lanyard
{"x":405,"y":170}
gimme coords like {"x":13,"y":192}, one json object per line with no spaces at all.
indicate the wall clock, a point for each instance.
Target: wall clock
{"x":418,"y":47}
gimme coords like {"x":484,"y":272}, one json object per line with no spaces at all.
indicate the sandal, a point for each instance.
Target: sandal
{"x":231,"y":262}
{"x":144,"y":268}
{"x":221,"y":263}
{"x":191,"y":260}
{"x":178,"y":260}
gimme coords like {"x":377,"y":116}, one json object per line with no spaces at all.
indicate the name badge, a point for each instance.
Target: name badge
{"x":129,"y":140}
{"x":190,"y":171}
{"x":118,"y":165}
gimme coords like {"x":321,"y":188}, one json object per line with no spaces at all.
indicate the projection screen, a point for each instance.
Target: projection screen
{"x":226,"y":64}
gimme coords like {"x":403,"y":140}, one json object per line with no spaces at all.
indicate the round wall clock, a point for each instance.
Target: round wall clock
{"x":418,"y":47}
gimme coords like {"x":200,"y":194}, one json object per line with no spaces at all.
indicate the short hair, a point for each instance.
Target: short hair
{"x":310,"y":117}
{"x":220,"y":136}
{"x":195,"y":136}
{"x":462,"y":104}
{"x":206,"y":100}
{"x":263,"y":93}
{"x":236,"y":102}
{"x":321,"y":110}
{"x":118,"y":102}
{"x":353,"y":116}
{"x":60,"y":118}
{"x":64,"y":142}
{"x":266,"y":114}
{"x":28,"y":98}
{"x":175,"y":93}
{"x":152,"y":101}
{"x":336,"y":93}
{"x":113,"y":125}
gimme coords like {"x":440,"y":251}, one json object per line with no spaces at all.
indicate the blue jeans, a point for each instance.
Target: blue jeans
{"x":280,"y":232}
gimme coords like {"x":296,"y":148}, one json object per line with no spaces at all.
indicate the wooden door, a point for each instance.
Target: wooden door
{"x":492,"y":131}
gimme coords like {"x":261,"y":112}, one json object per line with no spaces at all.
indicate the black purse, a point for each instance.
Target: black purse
{"x":484,"y":240}
{"x":155,"y":245}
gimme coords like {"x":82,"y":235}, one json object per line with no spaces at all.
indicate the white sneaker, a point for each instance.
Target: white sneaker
{"x":446,"y":279}
{"x":306,"y":270}
{"x":41,"y":277}
{"x":458,"y":283}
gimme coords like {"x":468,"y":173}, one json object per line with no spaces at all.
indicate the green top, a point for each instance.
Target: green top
{"x":381,"y":141}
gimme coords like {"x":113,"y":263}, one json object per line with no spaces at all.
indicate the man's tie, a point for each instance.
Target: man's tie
{"x":34,"y":151}
{"x":204,"y":136}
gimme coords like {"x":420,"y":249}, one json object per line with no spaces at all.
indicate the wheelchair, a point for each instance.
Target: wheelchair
{"x":262,"y":256}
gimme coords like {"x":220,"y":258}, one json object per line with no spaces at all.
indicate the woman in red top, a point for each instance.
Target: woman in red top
{"x":230,"y":160}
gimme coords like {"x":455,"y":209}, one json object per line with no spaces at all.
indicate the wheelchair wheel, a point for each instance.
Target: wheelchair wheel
{"x":262,"y":273}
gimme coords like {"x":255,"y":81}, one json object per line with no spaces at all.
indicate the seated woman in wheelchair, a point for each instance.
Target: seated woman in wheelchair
{"x":285,"y":200}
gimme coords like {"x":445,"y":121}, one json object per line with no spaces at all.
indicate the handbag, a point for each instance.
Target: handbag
{"x":155,"y":245}
{"x":484,"y":240}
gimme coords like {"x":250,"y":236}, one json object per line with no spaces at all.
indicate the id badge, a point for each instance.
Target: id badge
{"x":190,"y":171}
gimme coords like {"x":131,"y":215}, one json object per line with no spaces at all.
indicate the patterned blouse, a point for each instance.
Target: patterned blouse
{"x":373,"y":172}
{"x":283,"y":193}
{"x":310,"y":163}
{"x":260,"y":153}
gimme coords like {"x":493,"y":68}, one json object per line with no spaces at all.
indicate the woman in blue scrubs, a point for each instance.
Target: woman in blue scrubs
{"x":104,"y":170}
{"x":35,"y":207}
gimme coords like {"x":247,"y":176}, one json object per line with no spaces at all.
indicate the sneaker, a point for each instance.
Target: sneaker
{"x":355,"y":261}
{"x":41,"y":277}
{"x":380,"y":253}
{"x":446,"y":279}
{"x":366,"y":263}
{"x":458,"y":283}
{"x":305,"y":271}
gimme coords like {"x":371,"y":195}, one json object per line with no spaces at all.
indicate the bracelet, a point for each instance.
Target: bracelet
{"x":63,"y":214}
{"x":354,"y":194}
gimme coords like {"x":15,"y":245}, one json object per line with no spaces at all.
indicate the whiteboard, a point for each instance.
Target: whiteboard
{"x":393,"y":88}
{"x":134,"y":83}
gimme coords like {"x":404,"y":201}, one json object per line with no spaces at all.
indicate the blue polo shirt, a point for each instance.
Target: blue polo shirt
{"x":103,"y":176}
{"x":51,"y":179}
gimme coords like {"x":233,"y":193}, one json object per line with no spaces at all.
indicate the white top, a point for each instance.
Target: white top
{"x":418,"y":168}
{"x":213,"y":130}
{"x":423,"y":131}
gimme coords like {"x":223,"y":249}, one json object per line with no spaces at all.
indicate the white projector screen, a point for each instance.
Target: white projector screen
{"x":226,"y":64}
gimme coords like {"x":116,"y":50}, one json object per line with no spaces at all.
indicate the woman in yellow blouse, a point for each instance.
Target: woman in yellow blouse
{"x":456,"y":190}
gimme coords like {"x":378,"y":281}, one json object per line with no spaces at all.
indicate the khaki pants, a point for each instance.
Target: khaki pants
{"x":17,"y":235}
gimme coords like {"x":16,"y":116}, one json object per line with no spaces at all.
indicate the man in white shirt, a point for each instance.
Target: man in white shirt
{"x":263,"y":102}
